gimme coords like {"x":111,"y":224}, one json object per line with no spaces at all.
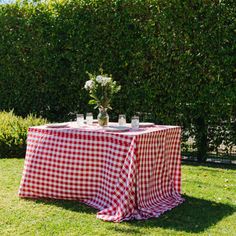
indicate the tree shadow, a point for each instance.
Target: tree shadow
{"x":212,"y":165}
{"x":193,"y":216}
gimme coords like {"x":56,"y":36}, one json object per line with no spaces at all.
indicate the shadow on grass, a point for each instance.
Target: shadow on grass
{"x":194,"y":215}
{"x":66,"y":204}
{"x":212,"y":165}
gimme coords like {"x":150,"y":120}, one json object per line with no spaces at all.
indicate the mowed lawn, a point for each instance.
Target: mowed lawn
{"x":209,"y":209}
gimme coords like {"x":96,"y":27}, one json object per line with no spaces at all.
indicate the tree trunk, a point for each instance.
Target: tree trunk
{"x":201,"y":139}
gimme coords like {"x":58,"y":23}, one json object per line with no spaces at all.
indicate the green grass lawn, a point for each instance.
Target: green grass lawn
{"x":209,"y":209}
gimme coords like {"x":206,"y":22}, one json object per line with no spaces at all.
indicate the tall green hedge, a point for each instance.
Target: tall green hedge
{"x":175,"y":59}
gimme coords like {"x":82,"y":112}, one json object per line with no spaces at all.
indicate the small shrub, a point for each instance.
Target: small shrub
{"x":13,"y":133}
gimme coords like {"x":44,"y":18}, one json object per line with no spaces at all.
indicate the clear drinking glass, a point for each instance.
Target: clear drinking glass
{"x":122,"y":120}
{"x":135,"y":122}
{"x":80,"y":119}
{"x":89,"y":118}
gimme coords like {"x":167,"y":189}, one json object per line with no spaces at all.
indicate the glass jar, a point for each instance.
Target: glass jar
{"x":103,"y":117}
{"x":122,"y":120}
{"x":80,"y":119}
{"x":89,"y":118}
{"x":135,"y":123}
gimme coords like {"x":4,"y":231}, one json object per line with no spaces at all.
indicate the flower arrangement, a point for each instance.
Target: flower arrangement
{"x":101,"y":89}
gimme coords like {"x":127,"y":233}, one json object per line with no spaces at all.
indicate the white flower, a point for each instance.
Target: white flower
{"x":99,"y":79}
{"x":106,"y":80}
{"x":89,"y":85}
{"x":103,"y":80}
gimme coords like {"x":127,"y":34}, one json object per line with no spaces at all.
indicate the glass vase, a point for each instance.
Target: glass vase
{"x":103,"y":117}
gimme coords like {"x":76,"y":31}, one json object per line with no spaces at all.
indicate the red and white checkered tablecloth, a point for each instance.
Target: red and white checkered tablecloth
{"x":128,"y":175}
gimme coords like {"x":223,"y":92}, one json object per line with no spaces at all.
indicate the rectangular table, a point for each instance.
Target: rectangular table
{"x":125,"y":175}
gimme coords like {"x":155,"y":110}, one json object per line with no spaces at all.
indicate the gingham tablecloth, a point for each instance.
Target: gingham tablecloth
{"x":126,"y":175}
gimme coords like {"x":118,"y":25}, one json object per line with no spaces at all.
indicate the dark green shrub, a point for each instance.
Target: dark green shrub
{"x":174,"y":59}
{"x":13,"y":133}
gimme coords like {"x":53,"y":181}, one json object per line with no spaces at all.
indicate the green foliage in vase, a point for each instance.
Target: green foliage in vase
{"x":101,"y":89}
